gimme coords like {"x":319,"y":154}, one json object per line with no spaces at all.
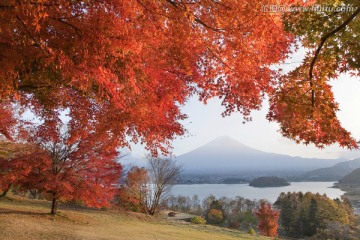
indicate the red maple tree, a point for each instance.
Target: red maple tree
{"x":75,"y":169}
{"x":7,"y":121}
{"x":16,"y":162}
{"x":268,"y":219}
{"x":145,"y":58}
{"x":77,"y":142}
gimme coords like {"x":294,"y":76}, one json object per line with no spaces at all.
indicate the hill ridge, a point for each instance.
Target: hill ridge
{"x":333,"y":173}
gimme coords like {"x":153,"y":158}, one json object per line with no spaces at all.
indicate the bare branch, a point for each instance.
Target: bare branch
{"x":162,"y":173}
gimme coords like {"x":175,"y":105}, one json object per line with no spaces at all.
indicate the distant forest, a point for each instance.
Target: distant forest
{"x":269,"y":182}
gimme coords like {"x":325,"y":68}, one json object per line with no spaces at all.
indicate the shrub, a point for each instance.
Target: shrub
{"x":171,"y":214}
{"x":198,"y":220}
{"x":215,"y":216}
{"x":234,"y":225}
{"x":251,"y":231}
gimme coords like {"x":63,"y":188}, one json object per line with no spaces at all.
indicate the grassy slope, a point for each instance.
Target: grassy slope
{"x":25,"y":219}
{"x":353,"y":194}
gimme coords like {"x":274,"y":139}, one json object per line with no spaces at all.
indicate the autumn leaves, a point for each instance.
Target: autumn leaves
{"x":122,"y":70}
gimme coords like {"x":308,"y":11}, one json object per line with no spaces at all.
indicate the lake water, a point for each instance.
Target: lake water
{"x":244,"y":190}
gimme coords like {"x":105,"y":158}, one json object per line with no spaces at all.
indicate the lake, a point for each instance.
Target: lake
{"x":244,"y":190}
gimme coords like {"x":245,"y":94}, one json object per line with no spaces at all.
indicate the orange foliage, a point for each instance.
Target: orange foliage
{"x":131,"y":193}
{"x":6,"y":121}
{"x":143,"y":59}
{"x":268,"y":220}
{"x":215,"y":216}
{"x":305,"y":119}
{"x":82,"y":169}
{"x":16,"y":162}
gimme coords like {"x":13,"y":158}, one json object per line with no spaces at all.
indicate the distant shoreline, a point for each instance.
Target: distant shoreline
{"x":246,"y":183}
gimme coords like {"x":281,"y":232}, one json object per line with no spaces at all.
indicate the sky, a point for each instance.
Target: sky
{"x":205,"y":123}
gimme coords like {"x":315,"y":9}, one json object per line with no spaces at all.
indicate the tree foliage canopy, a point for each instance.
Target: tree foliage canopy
{"x":131,"y":65}
{"x":75,"y":169}
{"x":141,"y":60}
{"x":16,"y":162}
{"x":306,"y":214}
{"x":303,"y":102}
{"x":132,"y":190}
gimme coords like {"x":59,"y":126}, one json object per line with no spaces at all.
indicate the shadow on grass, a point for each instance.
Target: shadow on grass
{"x":22,"y":201}
{"x":21,"y":212}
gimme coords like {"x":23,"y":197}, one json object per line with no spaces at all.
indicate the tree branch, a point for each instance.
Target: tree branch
{"x":152,"y":11}
{"x":6,"y":7}
{"x":26,"y":87}
{"x":220,"y":60}
{"x":61,"y":20}
{"x":322,"y":42}
{"x":37,"y":44}
{"x":47,"y":4}
{"x":196,"y":18}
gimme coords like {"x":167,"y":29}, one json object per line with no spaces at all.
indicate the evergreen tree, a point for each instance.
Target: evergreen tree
{"x":307,"y":214}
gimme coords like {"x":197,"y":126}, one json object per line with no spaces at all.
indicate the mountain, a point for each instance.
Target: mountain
{"x":351,"y":178}
{"x":128,"y":160}
{"x":225,"y":155}
{"x":333,"y":173}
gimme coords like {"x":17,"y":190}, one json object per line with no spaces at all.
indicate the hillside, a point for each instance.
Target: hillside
{"x":351,"y":178}
{"x":333,"y":173}
{"x":28,"y":219}
{"x":351,"y":185}
{"x":225,"y":155}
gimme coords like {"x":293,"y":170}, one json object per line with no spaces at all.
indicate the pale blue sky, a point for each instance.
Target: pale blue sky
{"x":205,"y":124}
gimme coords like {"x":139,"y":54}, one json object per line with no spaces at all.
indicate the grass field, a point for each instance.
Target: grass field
{"x":29,"y":219}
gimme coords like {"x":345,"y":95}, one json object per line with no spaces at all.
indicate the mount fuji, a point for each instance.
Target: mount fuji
{"x":225,"y":155}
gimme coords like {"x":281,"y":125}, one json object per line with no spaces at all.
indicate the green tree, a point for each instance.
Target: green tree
{"x":312,"y":223}
{"x":311,"y":213}
{"x":288,"y":203}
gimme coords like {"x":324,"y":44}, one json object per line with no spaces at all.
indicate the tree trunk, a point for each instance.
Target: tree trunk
{"x":54,"y":205}
{"x":155,"y":204}
{"x":3,"y":195}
